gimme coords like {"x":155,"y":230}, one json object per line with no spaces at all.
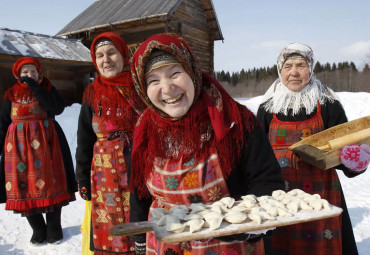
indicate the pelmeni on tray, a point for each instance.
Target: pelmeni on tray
{"x":250,"y":209}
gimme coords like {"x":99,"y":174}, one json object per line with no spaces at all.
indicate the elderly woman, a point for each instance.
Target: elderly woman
{"x":193,"y":144}
{"x":30,"y":182}
{"x":296,"y":106}
{"x":104,"y":139}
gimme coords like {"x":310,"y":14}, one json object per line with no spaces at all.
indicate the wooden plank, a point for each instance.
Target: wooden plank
{"x":161,"y":234}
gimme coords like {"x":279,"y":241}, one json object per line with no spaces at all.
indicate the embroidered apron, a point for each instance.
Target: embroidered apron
{"x":35,"y":178}
{"x":321,"y":237}
{"x":175,"y":182}
{"x":109,"y":188}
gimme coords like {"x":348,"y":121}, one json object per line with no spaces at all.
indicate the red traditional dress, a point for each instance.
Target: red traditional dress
{"x":107,"y":119}
{"x":110,"y":193}
{"x":35,"y":178}
{"x":198,"y":158}
{"x":322,"y":236}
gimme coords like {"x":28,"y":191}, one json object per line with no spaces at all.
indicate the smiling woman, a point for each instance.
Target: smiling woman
{"x":169,"y":87}
{"x":108,"y":59}
{"x":104,"y":138}
{"x":191,"y":145}
{"x":296,"y":106}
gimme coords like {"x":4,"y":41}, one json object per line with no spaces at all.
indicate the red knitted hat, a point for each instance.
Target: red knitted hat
{"x":26,"y":61}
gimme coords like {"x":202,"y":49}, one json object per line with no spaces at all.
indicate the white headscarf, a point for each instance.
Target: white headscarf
{"x":283,"y":99}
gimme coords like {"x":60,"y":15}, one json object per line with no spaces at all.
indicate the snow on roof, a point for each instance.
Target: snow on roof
{"x":21,"y":43}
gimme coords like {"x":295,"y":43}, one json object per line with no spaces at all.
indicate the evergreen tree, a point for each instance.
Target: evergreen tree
{"x":334,"y":67}
{"x":318,"y":68}
{"x":366,"y":68}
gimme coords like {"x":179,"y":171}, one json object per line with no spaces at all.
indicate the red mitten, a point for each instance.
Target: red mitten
{"x":355,"y":157}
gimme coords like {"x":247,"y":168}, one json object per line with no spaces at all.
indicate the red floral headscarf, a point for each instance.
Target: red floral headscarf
{"x":213,"y":113}
{"x":20,"y":91}
{"x":116,"y":92}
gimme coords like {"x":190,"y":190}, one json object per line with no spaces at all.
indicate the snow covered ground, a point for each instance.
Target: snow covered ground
{"x":15,"y":232}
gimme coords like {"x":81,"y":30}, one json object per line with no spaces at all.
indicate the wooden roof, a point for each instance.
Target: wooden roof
{"x":15,"y":43}
{"x":110,"y":13}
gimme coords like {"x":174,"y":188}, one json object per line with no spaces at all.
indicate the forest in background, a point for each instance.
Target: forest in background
{"x":343,"y":76}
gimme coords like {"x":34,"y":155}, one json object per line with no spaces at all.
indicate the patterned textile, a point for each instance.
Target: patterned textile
{"x":175,"y":182}
{"x":321,"y":237}
{"x":109,"y":187}
{"x":34,"y":183}
{"x":213,"y":110}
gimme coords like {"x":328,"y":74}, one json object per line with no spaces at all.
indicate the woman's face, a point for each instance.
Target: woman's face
{"x":170,"y":89}
{"x":295,"y":74}
{"x":108,"y":60}
{"x":29,"y":71}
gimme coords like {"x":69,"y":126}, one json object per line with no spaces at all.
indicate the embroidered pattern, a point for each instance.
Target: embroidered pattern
{"x":171,"y":183}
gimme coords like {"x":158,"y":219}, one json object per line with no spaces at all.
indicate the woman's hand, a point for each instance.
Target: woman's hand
{"x":84,"y":190}
{"x":31,"y":83}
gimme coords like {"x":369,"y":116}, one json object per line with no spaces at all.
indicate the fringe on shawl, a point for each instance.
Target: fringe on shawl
{"x":107,"y":99}
{"x":188,"y":138}
{"x":283,"y":99}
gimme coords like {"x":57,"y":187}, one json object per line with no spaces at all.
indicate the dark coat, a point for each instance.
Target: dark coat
{"x":54,"y":105}
{"x":332,"y":114}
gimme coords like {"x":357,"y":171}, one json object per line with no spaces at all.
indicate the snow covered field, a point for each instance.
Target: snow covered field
{"x":15,"y":232}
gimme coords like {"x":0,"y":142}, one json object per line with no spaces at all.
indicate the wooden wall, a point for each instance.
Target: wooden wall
{"x":190,"y":21}
{"x":69,"y":81}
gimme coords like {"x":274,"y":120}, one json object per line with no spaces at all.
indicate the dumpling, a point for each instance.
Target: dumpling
{"x":250,"y":197}
{"x":304,"y":206}
{"x":228,"y":201}
{"x":213,"y":223}
{"x":195,"y":225}
{"x":293,"y":206}
{"x":210,"y":215}
{"x":249,"y":203}
{"x":273,"y":211}
{"x":197,"y":207}
{"x":157,"y":213}
{"x":256,"y":218}
{"x":240,"y":208}
{"x":266,"y":216}
{"x":175,"y":227}
{"x":319,"y":204}
{"x":193,"y":216}
{"x":183,"y":209}
{"x":284,"y":213}
{"x":167,"y":220}
{"x":263,"y":198}
{"x":278,"y":194}
{"x":295,"y":192}
{"x":235,"y":217}
{"x":219,"y":208}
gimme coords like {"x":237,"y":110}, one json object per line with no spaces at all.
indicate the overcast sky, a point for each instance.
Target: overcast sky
{"x":254,"y":31}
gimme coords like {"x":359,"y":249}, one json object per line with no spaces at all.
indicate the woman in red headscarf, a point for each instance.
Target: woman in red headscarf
{"x":193,"y":144}
{"x":29,"y":138}
{"x":104,"y":140}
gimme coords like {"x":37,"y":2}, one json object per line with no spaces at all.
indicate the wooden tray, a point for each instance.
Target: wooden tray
{"x":163,"y":235}
{"x":309,"y":148}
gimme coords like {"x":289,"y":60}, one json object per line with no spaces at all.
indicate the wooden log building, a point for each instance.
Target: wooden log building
{"x":136,"y":20}
{"x":66,"y":62}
